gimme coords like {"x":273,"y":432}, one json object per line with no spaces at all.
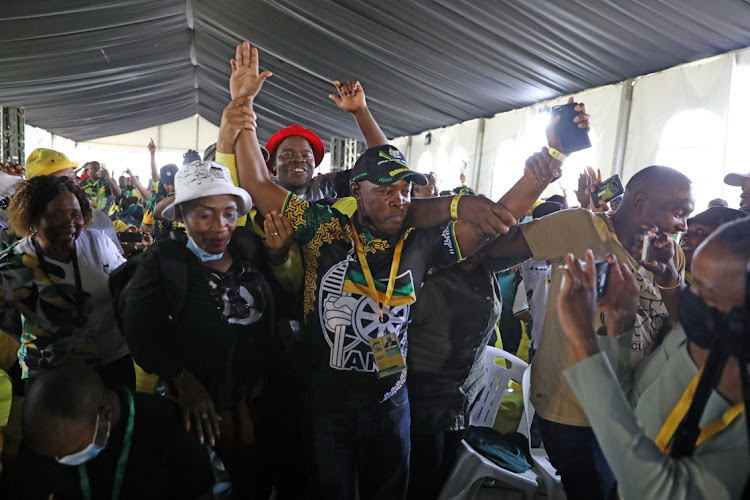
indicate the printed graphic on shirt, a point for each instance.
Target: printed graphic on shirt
{"x":238,"y":296}
{"x":350,"y":319}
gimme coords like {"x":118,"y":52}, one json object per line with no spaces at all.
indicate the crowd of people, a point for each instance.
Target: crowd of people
{"x":262,"y":312}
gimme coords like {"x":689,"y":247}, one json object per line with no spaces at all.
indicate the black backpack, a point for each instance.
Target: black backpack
{"x":173,"y":270}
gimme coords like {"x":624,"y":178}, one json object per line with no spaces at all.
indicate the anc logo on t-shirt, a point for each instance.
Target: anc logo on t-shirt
{"x":349,"y":318}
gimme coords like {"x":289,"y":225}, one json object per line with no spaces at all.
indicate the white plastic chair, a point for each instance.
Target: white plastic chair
{"x":471,"y":468}
{"x":541,"y":464}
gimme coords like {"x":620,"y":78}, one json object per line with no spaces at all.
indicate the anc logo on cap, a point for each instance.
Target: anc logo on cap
{"x":397,"y":158}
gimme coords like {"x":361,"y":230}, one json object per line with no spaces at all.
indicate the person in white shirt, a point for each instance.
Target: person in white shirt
{"x":54,"y":295}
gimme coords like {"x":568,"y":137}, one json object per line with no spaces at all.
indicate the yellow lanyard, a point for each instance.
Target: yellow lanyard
{"x":368,"y":275}
{"x":678,"y":412}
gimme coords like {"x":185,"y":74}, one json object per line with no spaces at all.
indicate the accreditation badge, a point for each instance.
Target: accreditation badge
{"x":388,"y":356}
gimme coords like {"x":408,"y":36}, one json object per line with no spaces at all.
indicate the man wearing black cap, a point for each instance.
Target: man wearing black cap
{"x":159,"y":227}
{"x":362,"y":274}
{"x":743,"y":181}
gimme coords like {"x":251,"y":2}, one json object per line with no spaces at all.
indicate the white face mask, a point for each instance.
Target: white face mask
{"x":89,"y":452}
{"x":200,"y":253}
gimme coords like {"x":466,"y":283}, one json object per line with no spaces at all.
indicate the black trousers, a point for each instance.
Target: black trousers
{"x":432,"y":458}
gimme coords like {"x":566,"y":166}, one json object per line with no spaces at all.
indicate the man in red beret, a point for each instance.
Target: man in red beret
{"x":294,"y":152}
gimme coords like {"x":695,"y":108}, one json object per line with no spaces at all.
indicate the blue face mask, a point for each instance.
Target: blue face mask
{"x":202,"y":254}
{"x":89,"y":452}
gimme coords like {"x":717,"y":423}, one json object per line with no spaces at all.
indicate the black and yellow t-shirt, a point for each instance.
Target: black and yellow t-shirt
{"x":128,"y":197}
{"x":101,"y":194}
{"x":340,"y":317}
{"x":161,"y":227}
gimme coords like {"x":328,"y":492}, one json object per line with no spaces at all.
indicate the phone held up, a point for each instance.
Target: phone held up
{"x":572,"y":138}
{"x":130,"y":237}
{"x":602,"y":277}
{"x":608,"y":190}
{"x":648,"y":238}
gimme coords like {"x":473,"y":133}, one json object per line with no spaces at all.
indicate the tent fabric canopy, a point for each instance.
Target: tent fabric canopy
{"x":87,"y":69}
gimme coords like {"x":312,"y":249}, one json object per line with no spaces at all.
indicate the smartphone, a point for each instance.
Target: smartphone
{"x":602,"y":277}
{"x":571,"y":137}
{"x":130,"y":237}
{"x":645,"y":250}
{"x":608,"y":190}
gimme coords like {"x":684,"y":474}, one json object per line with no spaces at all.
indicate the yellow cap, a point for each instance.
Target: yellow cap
{"x":44,"y":161}
{"x":121,"y":226}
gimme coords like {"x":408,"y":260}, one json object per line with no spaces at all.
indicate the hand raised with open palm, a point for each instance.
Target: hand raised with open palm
{"x":245,"y":79}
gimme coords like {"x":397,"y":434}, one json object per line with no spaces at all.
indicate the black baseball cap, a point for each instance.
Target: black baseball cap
{"x":167,"y":173}
{"x":384,"y":165}
{"x":716,"y":216}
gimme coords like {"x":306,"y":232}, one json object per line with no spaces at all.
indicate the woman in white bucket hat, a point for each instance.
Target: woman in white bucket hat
{"x":201,"y":315}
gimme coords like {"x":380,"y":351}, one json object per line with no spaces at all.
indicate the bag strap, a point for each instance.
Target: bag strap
{"x":173,"y":272}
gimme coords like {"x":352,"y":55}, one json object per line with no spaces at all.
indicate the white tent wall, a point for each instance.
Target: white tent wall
{"x":449,"y":148}
{"x":495,"y":172}
{"x":120,"y":152}
{"x":679,"y":118}
{"x":738,"y":128}
{"x":717,"y":88}
{"x":194,"y":132}
{"x":511,"y":137}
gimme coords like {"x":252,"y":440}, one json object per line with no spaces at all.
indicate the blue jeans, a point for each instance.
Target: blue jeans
{"x":371,"y":441}
{"x":575,"y":453}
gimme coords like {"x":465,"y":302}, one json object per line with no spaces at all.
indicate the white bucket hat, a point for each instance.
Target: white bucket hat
{"x":200,"y":179}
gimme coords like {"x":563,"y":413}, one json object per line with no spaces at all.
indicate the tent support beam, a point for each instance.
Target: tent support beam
{"x":622,"y":126}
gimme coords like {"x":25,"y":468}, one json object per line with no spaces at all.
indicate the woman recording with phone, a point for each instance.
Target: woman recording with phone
{"x":674,"y":427}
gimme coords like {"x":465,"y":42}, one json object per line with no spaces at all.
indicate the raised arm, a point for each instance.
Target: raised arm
{"x":351,"y":99}
{"x":541,"y":169}
{"x":145,"y":193}
{"x":154,"y":171}
{"x":252,"y":173}
{"x":113,"y":186}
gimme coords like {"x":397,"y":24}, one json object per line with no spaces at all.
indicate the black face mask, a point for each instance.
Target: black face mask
{"x":702,"y":323}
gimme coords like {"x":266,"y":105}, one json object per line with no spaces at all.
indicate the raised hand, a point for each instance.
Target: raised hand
{"x":660,"y":260}
{"x":14,"y":169}
{"x":595,"y":179}
{"x":237,"y":115}
{"x":147,"y":239}
{"x":542,"y":166}
{"x":620,"y":303}
{"x":245,"y":80}
{"x":351,"y":96}
{"x":582,"y":119}
{"x":582,"y":194}
{"x":151,"y":146}
{"x":491,"y":223}
{"x":576,"y":305}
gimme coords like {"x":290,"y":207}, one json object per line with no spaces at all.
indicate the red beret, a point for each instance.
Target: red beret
{"x":315,"y":142}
